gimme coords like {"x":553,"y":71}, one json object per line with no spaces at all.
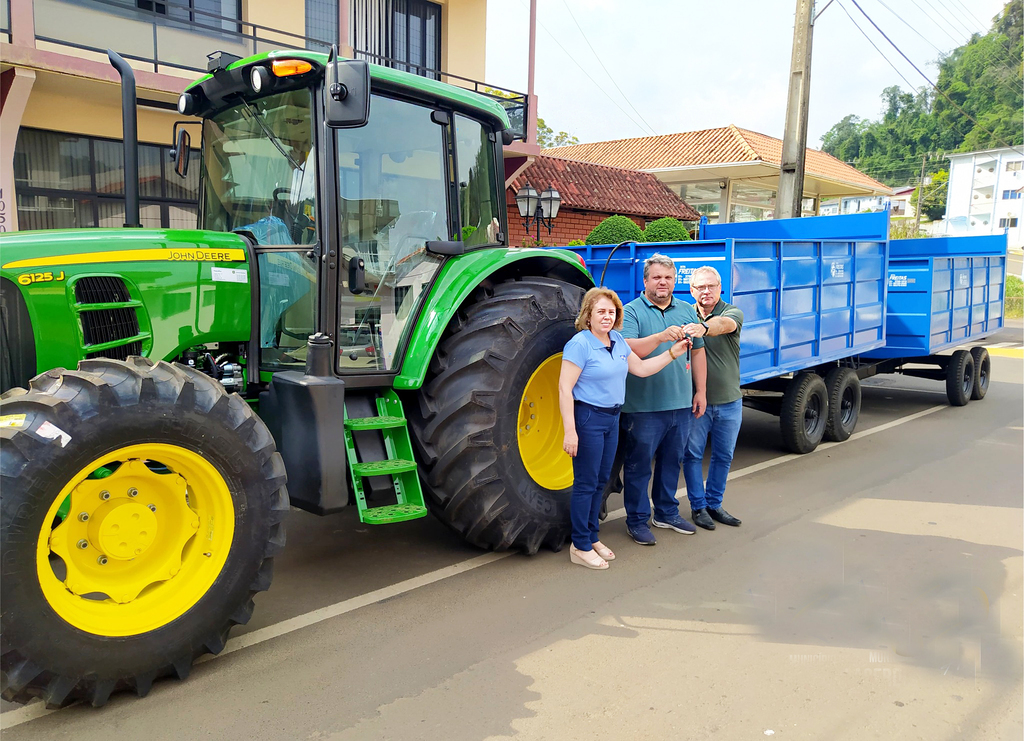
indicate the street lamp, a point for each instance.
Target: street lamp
{"x":537,"y":208}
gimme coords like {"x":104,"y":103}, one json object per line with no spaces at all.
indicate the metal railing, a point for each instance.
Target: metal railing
{"x":514,"y":103}
{"x":165,"y":33}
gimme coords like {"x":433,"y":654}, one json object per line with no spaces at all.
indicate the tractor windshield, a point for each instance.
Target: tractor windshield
{"x":260,"y":171}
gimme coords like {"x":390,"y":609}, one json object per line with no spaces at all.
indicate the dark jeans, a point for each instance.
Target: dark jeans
{"x":598,"y":434}
{"x":660,"y":436}
{"x":722,"y":422}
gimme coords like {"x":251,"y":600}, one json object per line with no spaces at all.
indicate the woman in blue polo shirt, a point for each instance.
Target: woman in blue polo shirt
{"x":591,"y":389}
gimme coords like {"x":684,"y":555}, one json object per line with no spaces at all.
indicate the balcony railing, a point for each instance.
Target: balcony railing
{"x":514,"y":103}
{"x":166,"y":34}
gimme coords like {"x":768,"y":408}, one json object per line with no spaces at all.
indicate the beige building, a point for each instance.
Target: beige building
{"x":61,"y":162}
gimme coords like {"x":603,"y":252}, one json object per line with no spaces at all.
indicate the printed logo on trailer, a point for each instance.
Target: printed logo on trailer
{"x":683,"y":275}
{"x":900,"y":281}
{"x":838,"y":270}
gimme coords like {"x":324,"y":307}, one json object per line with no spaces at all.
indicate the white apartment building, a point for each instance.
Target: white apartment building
{"x":986,"y":194}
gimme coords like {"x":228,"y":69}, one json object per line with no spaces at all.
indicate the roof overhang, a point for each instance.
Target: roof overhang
{"x":762,"y":173}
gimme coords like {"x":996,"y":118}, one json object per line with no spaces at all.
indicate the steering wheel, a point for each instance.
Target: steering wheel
{"x":297,"y":223}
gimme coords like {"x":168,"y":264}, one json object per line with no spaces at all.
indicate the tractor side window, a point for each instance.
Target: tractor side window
{"x":478,"y":188}
{"x":392,"y":186}
{"x":260,"y":170}
{"x":288,"y":304}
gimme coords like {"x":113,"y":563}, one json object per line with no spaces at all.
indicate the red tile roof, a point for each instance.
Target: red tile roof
{"x":710,"y":147}
{"x":594,"y":187}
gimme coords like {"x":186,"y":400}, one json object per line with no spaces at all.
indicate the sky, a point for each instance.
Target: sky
{"x":616,"y":69}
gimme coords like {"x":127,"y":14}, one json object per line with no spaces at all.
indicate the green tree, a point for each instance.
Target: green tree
{"x":548,"y":137}
{"x":934,"y":199}
{"x":615,"y":230}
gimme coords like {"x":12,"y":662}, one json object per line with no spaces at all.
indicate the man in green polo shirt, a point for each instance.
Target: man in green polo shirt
{"x":719,"y":325}
{"x":659,"y":409}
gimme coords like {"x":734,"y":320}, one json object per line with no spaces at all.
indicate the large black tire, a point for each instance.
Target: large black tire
{"x":844,"y":398}
{"x":960,"y":378}
{"x":464,"y":422}
{"x":804,"y":413}
{"x":982,"y":372}
{"x":108,"y":408}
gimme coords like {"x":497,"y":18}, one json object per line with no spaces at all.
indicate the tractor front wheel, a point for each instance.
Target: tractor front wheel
{"x":141,"y":508}
{"x":486,"y":423}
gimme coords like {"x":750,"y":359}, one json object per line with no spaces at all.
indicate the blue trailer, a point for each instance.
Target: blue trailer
{"x":815,"y":295}
{"x":943,"y":292}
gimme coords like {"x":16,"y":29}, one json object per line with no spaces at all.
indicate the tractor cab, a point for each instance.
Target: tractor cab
{"x":351,"y":215}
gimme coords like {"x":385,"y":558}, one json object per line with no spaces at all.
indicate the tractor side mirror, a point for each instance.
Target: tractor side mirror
{"x":181,"y":152}
{"x":357,"y":275}
{"x":347,"y":96}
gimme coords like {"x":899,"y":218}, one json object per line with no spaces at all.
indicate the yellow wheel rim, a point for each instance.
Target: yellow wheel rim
{"x":138,"y":547}
{"x":540,"y":428}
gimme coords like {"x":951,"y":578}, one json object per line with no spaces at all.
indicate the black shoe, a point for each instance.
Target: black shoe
{"x":701,"y":519}
{"x":720,"y":515}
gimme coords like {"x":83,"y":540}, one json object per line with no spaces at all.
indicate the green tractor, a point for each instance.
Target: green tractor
{"x":349,"y":318}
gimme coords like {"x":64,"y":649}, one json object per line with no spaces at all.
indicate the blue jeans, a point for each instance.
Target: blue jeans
{"x":598,"y":434}
{"x":722,"y":422}
{"x":660,"y":436}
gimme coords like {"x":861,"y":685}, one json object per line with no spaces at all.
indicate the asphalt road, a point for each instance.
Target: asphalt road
{"x":873,"y":591}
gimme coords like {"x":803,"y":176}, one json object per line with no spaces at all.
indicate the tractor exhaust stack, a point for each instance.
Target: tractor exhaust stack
{"x":129,"y":123}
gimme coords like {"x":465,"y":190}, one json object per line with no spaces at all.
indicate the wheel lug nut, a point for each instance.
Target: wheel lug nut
{"x":102,"y":560}
{"x":133,"y":492}
{"x":83,"y":544}
{"x":152,"y":507}
{"x":83,"y":517}
{"x":104,"y":495}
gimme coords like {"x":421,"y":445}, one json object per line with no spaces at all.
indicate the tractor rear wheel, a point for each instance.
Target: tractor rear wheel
{"x":486,"y":422}
{"x":141,"y":509}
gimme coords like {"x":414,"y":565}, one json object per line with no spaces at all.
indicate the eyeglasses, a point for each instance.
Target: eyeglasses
{"x":707,"y":288}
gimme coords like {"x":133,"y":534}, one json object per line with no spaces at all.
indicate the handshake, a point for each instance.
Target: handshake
{"x":683,"y":332}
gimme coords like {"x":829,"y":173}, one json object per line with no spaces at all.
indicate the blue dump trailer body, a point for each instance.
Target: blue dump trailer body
{"x":943,"y":292}
{"x":812,"y":290}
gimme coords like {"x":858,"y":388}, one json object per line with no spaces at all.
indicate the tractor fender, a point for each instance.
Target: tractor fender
{"x":459,"y":277}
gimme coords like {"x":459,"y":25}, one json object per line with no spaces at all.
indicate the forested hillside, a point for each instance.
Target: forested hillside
{"x":982,"y":77}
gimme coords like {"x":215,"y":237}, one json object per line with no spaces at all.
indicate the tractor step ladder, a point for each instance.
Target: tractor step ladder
{"x":400,"y":464}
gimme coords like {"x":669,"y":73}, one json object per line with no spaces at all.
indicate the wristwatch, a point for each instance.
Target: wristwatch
{"x":707,"y":329}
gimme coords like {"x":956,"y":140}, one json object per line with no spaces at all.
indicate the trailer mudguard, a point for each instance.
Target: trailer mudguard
{"x":460,"y":277}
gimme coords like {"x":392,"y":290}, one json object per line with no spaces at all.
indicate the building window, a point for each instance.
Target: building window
{"x":68,"y":181}
{"x":1015,"y":165}
{"x":223,"y":14}
{"x":404,"y":34}
{"x":321,"y":24}
{"x":1011,"y":195}
{"x":1011,"y":223}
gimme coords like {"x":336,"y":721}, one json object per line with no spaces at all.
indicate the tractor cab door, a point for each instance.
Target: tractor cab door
{"x":394,"y":187}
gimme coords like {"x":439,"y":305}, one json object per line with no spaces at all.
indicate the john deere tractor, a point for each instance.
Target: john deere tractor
{"x":349,"y":318}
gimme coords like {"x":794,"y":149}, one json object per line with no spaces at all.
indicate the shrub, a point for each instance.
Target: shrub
{"x":615,"y":229}
{"x":576,"y":243}
{"x":1014,"y":308}
{"x":467,"y":232}
{"x":666,"y":229}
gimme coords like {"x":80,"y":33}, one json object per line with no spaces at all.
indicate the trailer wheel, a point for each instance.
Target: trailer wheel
{"x":960,"y":378}
{"x":804,"y":414}
{"x":982,"y":370}
{"x":141,"y":509}
{"x":844,"y":397}
{"x":486,"y":422}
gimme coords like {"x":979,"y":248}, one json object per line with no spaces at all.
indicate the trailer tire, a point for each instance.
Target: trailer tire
{"x":982,"y":372}
{"x":141,"y":510}
{"x":844,"y":399}
{"x":486,"y":425}
{"x":804,"y":414}
{"x":960,"y":378}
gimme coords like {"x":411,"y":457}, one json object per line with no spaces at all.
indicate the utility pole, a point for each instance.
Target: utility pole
{"x":789,"y":198}
{"x":920,"y":195}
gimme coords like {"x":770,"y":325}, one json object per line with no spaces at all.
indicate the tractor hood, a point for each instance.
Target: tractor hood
{"x":120,"y":292}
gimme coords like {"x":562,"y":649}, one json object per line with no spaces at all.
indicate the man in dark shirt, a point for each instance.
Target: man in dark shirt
{"x":719,"y":326}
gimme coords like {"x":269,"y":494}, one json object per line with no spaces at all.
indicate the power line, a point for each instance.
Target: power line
{"x":926,"y":15}
{"x":587,"y":74}
{"x":904,"y":21}
{"x":598,"y":58}
{"x":840,"y":3}
{"x":940,"y":92}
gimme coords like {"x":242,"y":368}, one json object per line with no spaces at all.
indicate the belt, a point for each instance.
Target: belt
{"x":607,"y":410}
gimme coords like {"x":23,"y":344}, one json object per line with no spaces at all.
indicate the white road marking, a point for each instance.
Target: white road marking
{"x":30,"y":712}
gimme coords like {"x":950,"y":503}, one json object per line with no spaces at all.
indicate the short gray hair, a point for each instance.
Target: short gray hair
{"x":706,"y":269}
{"x":658,"y":259}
